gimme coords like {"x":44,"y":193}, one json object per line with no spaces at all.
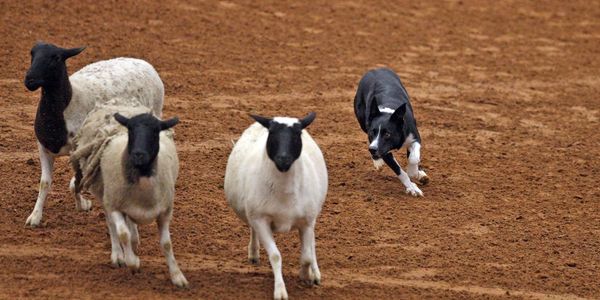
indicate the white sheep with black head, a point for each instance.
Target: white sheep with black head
{"x":66,"y":101}
{"x":132,"y":166}
{"x":276,"y":180}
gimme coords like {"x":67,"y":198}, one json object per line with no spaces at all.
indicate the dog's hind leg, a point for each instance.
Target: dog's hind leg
{"x":413,"y":154}
{"x":411,"y":188}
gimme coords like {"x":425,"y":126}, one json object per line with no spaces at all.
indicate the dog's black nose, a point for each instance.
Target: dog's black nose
{"x":373,"y":150}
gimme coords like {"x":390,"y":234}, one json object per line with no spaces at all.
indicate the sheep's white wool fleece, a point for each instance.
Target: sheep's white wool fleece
{"x":98,"y":129}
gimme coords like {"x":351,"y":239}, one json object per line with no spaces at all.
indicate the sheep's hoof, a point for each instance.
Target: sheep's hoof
{"x":254,"y":261}
{"x":85,"y":204}
{"x":280,"y":293}
{"x":134,"y":264}
{"x":117,"y":262}
{"x":34,"y":219}
{"x":179,"y":280}
{"x":308,"y":277}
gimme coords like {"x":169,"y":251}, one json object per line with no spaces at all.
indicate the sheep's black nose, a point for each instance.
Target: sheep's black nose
{"x":283,"y":163}
{"x":32,"y":84}
{"x":138,"y":158}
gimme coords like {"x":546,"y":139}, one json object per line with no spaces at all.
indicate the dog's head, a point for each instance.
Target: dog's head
{"x":385,"y":130}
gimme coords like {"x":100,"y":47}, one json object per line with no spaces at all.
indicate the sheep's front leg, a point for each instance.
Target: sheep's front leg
{"x":309,"y":269}
{"x":265,"y":235}
{"x":116,"y":254}
{"x":177,"y":277}
{"x":47,"y":164}
{"x":411,"y":188}
{"x":131,"y":260}
{"x":414,"y":157}
{"x":253,"y":248}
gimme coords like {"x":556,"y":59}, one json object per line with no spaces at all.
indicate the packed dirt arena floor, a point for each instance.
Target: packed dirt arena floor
{"x":506,"y":94}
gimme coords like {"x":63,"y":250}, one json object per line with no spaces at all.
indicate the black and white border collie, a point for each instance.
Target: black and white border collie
{"x":383,"y":110}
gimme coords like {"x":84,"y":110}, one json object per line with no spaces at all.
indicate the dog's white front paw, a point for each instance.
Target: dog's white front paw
{"x":378,"y":163}
{"x":414,"y":190}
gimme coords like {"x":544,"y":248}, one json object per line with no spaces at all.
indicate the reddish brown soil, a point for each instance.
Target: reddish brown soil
{"x":506,"y":94}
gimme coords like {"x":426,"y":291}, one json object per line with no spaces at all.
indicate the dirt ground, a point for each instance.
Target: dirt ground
{"x":506,"y":94}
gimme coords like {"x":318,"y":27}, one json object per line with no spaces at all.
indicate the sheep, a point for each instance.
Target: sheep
{"x":66,"y":101}
{"x":133,"y":171}
{"x":275,"y":181}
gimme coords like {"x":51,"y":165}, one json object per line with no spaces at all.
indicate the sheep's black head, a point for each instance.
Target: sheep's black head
{"x":143,"y":144}
{"x":48,"y":65}
{"x":284,"y":143}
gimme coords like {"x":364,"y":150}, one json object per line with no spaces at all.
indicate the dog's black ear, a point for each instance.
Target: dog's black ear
{"x":398,"y":115}
{"x":373,"y":111}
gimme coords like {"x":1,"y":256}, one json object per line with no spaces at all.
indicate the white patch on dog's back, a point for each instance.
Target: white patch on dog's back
{"x":286,"y":121}
{"x":386,"y":110}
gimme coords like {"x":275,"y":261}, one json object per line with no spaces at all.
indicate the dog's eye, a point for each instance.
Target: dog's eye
{"x":387,"y":135}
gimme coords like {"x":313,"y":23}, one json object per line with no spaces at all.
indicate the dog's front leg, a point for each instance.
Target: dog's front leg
{"x":414,"y":157}
{"x":411,"y":188}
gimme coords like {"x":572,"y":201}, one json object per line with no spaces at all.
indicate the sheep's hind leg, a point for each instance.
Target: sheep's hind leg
{"x":309,"y":269}
{"x":47,"y":163}
{"x":177,"y":277}
{"x":135,"y":237}
{"x":116,"y":254}
{"x":131,"y":260}
{"x":81,"y":203}
{"x":265,"y":235}
{"x":253,"y":248}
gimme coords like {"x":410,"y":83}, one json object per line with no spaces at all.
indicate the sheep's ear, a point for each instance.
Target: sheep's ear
{"x":164,"y":125}
{"x":398,"y":115}
{"x":266,"y":122}
{"x":308,"y":119}
{"x":121,"y":119}
{"x":72,"y":52}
